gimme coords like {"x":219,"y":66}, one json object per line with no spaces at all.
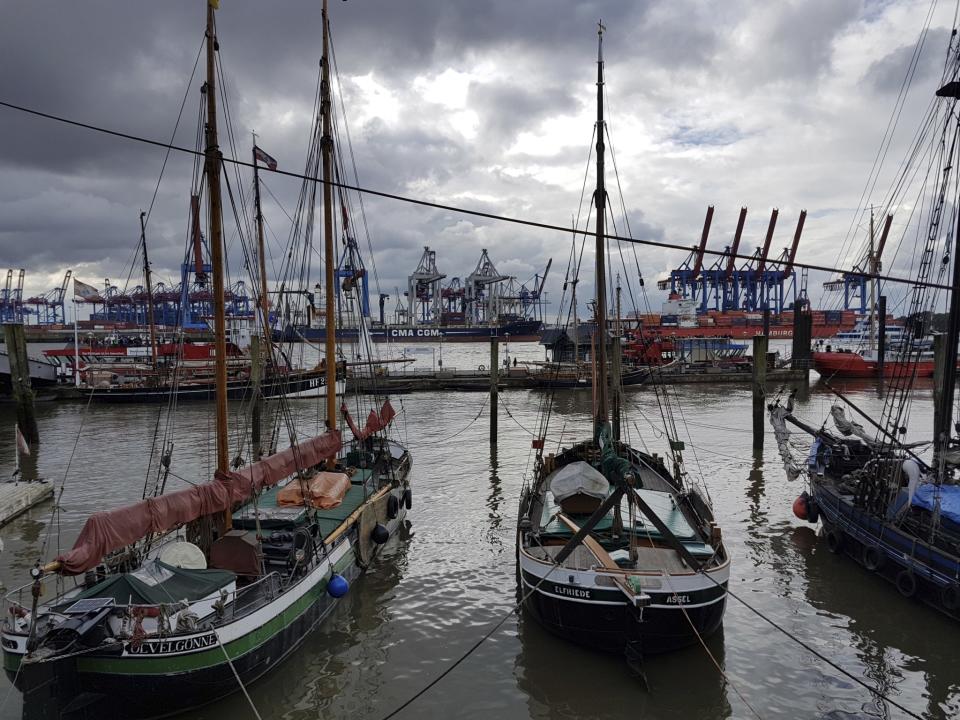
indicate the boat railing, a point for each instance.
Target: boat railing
{"x":230,"y":606}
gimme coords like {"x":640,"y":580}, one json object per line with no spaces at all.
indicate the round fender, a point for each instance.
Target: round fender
{"x":950,"y":596}
{"x":379,"y":534}
{"x":834,"y":541}
{"x":873,"y":558}
{"x":393,"y":506}
{"x":906,"y":583}
{"x":337,"y":586}
{"x":408,"y":498}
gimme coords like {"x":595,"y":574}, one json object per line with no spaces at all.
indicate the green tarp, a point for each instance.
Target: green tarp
{"x":156,"y":583}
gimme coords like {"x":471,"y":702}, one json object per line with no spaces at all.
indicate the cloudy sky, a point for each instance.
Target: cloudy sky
{"x":487,"y":104}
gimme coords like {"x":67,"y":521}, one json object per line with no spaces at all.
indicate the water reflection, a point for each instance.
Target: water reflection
{"x":494,"y":501}
{"x":890,"y":637}
{"x":564,"y":681}
{"x":351,"y":649}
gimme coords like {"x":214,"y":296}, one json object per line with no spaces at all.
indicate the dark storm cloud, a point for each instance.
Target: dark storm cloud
{"x":889,"y":73}
{"x":691,"y":118}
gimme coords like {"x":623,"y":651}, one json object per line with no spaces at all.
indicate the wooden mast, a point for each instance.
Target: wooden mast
{"x":213,"y":160}
{"x":264,"y":304}
{"x":326,"y":149}
{"x":148,"y":281}
{"x":600,"y":201}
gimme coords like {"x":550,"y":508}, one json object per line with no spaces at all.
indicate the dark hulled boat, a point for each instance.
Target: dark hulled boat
{"x":615,"y":551}
{"x":889,"y":504}
{"x":188,"y":596}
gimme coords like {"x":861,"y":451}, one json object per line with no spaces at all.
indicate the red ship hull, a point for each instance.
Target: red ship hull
{"x":854,"y":365}
{"x":783,"y":332}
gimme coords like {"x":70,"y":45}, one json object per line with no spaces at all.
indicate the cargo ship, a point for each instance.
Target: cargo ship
{"x":680,"y":319}
{"x":516,"y":330}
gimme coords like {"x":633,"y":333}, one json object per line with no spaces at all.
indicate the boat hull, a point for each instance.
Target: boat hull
{"x":854,"y":365}
{"x":516,"y":331}
{"x":884,"y":548}
{"x":297,"y":384}
{"x":119,"y":683}
{"x":601,"y":619}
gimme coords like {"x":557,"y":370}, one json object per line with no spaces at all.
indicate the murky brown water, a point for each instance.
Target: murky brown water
{"x":439,"y":588}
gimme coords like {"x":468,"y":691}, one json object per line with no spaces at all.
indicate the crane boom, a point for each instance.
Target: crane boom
{"x":796,"y":242}
{"x":736,"y":242}
{"x":698,"y":262}
{"x":767,"y":241}
{"x":883,"y":238}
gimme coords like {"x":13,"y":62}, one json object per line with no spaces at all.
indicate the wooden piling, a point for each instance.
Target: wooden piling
{"x":760,"y":345}
{"x":939,"y":368}
{"x":20,"y":381}
{"x":494,"y":378}
{"x":800,"y":355}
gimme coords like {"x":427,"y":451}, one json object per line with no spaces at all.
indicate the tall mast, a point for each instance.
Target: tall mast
{"x":213,"y":159}
{"x":945,"y":411}
{"x":326,"y":148}
{"x":149,"y":288}
{"x":600,"y":199}
{"x":872,"y":266}
{"x":264,"y":303}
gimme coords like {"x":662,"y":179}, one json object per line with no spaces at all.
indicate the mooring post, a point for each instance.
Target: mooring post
{"x":939,"y":368}
{"x":494,"y":377}
{"x":881,"y":339}
{"x":256,"y":409}
{"x":760,"y":343}
{"x":802,"y":333}
{"x":16,"y":342}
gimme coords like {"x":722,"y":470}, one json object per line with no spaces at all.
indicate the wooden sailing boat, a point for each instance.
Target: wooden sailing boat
{"x":614,"y":550}
{"x":883,"y":501}
{"x":136,"y":622}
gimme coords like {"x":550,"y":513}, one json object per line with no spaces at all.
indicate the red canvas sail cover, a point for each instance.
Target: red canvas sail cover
{"x":375,"y":421}
{"x":281,"y":465}
{"x":114,"y":529}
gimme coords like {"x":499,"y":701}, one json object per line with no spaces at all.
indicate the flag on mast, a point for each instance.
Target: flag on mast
{"x":261,"y":156}
{"x":82,"y":290}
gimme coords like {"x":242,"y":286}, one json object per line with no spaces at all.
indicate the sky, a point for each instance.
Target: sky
{"x":487,"y":105}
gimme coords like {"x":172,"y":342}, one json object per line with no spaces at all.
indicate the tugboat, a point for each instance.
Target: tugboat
{"x":614,"y":550}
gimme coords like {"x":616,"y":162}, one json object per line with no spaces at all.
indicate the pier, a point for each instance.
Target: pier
{"x":18,"y":497}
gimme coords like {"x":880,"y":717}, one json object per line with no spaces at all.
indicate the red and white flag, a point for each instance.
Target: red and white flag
{"x":261,"y":156}
{"x":81,"y":289}
{"x":22,"y":445}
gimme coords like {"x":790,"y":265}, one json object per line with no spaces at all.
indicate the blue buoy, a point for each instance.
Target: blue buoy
{"x":338,"y":585}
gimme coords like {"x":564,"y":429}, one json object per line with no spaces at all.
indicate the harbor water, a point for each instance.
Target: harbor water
{"x":450,"y":576}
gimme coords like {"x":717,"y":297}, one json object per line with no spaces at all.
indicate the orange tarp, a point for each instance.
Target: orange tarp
{"x":324,"y":490}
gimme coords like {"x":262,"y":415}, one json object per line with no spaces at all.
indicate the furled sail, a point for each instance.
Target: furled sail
{"x":272,"y":469}
{"x":375,"y":421}
{"x":105,"y":532}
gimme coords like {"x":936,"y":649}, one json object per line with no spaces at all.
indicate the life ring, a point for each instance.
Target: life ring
{"x":950,"y":596}
{"x":834,"y":541}
{"x":481,"y":368}
{"x":906,"y":583}
{"x":393,"y":506}
{"x":407,"y":498}
{"x":873,"y":558}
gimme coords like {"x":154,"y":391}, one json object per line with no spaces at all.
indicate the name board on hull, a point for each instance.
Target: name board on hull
{"x":171,"y":646}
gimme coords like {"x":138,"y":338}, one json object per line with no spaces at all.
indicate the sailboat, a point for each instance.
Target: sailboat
{"x":136,"y":621}
{"x":614,"y":550}
{"x":884,"y":501}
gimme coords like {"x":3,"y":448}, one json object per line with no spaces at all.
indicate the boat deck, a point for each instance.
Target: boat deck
{"x":274,"y":516}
